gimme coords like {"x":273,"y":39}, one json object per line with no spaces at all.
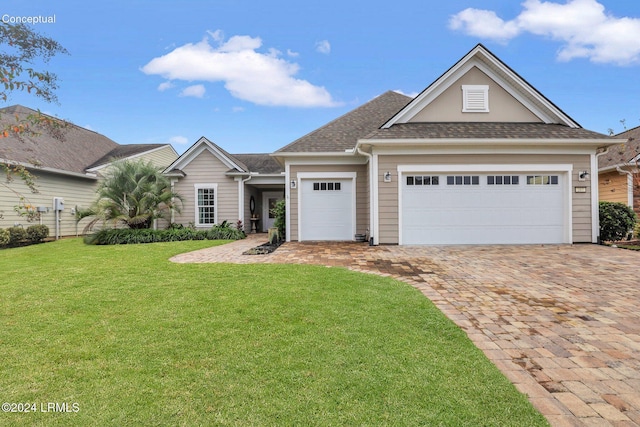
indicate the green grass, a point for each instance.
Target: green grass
{"x":136,"y":340}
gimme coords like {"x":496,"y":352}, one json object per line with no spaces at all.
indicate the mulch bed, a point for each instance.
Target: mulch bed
{"x":265,"y":248}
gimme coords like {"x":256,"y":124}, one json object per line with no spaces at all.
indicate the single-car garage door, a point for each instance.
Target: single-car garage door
{"x":491,"y":208}
{"x":327,"y":209}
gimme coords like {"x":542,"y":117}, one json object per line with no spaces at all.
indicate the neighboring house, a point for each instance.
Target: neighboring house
{"x":66,"y":168}
{"x":619,"y":175}
{"x":479,"y":157}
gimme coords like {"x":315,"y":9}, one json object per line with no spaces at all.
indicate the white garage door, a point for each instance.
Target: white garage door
{"x":490,"y":208}
{"x":327,"y":209}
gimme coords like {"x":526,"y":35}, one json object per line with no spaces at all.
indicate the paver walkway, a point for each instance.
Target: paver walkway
{"x":561,"y":322}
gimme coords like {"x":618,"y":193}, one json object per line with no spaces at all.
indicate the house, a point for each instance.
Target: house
{"x":218,"y":187}
{"x":478,"y":157}
{"x":619,"y":174}
{"x":67,"y":168}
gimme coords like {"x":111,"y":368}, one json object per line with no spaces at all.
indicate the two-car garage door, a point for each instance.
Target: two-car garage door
{"x":483,"y":208}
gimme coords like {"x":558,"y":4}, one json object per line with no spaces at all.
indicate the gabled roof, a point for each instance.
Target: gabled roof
{"x":75,"y":151}
{"x":498,"y":71}
{"x":261,"y":163}
{"x":482,"y":130}
{"x":622,"y":154}
{"x":343,"y":133}
{"x":124,"y":151}
{"x":237,"y":163}
{"x":71,"y":150}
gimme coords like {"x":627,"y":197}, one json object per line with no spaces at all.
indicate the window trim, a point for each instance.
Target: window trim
{"x":209,"y":186}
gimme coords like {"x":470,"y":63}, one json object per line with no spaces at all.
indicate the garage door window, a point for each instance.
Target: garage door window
{"x":423,"y":180}
{"x":326,"y":186}
{"x":542,"y":180}
{"x":503,"y":180}
{"x":463,"y":180}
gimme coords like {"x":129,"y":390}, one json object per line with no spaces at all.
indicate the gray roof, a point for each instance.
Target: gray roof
{"x":75,"y":149}
{"x":482,"y":130}
{"x":620,"y":155}
{"x":343,"y":133}
{"x":71,"y":148}
{"x":260,"y":163}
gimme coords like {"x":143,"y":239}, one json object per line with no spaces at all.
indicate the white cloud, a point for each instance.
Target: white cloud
{"x":323,"y":46}
{"x":292,"y":53}
{"x":583,"y":27}
{"x":250,"y":75}
{"x":237,"y":109}
{"x":196,"y":91}
{"x":178,"y":140}
{"x":164,"y":86}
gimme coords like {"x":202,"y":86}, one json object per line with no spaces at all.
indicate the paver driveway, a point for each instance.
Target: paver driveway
{"x":561,"y":322}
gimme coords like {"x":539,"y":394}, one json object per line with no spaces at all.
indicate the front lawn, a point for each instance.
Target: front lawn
{"x":124,"y":337}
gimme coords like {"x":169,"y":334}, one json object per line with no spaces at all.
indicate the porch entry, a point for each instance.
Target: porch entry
{"x":269,"y":200}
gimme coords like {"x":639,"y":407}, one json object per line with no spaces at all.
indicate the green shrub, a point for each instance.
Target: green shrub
{"x":280,"y":213}
{"x":123,"y":236}
{"x":5,"y":237}
{"x":16,"y":235}
{"x":616,"y":221}
{"x":224,"y":232}
{"x":37,"y":233}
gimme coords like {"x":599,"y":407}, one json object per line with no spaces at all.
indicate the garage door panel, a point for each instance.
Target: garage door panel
{"x":483,"y":213}
{"x":326,"y":214}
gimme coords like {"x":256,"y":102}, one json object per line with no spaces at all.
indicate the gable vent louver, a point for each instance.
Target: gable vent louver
{"x":475,"y":99}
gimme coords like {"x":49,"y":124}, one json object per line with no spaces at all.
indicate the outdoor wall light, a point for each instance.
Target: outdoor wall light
{"x":387,"y":177}
{"x":293,"y":183}
{"x":583,"y":175}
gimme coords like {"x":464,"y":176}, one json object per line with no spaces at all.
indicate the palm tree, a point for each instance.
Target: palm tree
{"x":133,"y":193}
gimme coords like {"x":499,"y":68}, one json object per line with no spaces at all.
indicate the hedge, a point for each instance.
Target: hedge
{"x":18,"y":236}
{"x":124,"y":236}
{"x":616,"y":221}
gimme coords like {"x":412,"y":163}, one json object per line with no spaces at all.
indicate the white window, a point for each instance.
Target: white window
{"x":503,"y":180}
{"x":463,"y":180}
{"x":326,"y":186}
{"x":475,"y":98}
{"x":206,"y":204}
{"x":542,"y":180}
{"x":423,"y":180}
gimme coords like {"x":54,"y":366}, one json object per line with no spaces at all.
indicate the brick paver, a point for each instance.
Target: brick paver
{"x":562,"y":322}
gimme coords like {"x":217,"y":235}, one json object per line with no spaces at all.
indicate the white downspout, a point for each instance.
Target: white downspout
{"x":595,"y":212}
{"x":629,"y":184}
{"x":372,"y":176}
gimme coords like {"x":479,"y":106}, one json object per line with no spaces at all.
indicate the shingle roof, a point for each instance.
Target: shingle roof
{"x":260,"y":163}
{"x":78,"y":148}
{"x":619,"y":155}
{"x":343,"y":133}
{"x":482,"y":130}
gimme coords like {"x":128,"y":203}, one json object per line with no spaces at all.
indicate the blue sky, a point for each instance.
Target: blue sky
{"x":255,"y":75}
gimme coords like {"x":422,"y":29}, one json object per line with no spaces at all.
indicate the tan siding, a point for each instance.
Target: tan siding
{"x":362,"y":193}
{"x":388,"y":192}
{"x":612,"y":187}
{"x":161,"y":158}
{"x":502,"y":106}
{"x":207,"y":169}
{"x":77,"y":193}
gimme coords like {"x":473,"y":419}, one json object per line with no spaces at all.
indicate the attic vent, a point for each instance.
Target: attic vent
{"x":475,"y":99}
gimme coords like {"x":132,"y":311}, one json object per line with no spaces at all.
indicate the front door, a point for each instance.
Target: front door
{"x":269,"y":200}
